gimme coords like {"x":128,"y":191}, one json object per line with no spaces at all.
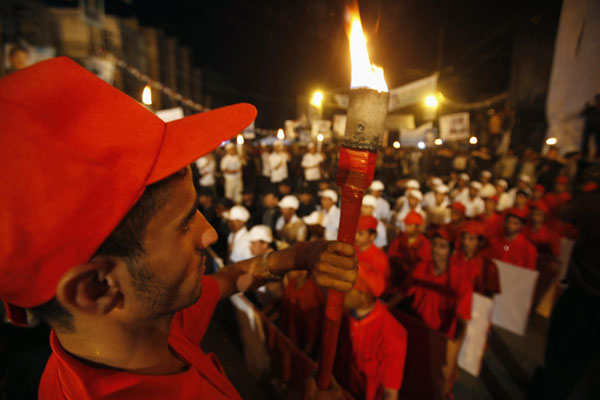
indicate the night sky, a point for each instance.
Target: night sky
{"x":269,"y":52}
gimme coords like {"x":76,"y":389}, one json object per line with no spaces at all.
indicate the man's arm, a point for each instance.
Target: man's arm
{"x":390,"y":394}
{"x":332,"y":264}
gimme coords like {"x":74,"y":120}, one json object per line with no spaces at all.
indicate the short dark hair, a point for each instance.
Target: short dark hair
{"x":126,"y":240}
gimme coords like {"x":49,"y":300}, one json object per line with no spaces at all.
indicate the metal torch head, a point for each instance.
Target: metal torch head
{"x":365,"y":119}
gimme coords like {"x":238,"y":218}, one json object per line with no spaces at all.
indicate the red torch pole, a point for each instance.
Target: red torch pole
{"x":365,"y":123}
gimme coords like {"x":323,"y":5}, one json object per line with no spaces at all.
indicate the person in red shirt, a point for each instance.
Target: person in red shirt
{"x":492,"y":221}
{"x":547,"y":243}
{"x":407,"y":249}
{"x":511,"y":246}
{"x":538,"y":192}
{"x":114,"y":262}
{"x":378,"y":340}
{"x":302,"y":310}
{"x":555,"y":200}
{"x":366,"y":251}
{"x":457,"y":219}
{"x":482,"y":272}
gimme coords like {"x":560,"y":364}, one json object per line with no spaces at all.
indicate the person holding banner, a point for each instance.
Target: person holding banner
{"x":511,"y":246}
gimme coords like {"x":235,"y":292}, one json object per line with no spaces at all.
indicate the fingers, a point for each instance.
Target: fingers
{"x":343,"y":262}
{"x":330,"y":282}
{"x":341,"y":248}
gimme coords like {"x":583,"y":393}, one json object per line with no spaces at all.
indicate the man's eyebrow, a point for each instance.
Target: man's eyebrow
{"x":190,"y":214}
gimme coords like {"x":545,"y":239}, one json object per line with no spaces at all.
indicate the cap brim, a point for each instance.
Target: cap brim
{"x":190,"y":138}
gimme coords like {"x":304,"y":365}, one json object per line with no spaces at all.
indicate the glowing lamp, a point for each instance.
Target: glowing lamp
{"x":396,"y":144}
{"x":147,"y":95}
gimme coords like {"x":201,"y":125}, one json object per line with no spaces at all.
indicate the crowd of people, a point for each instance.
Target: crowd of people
{"x":431,"y":224}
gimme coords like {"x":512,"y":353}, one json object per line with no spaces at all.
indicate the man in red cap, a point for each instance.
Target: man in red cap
{"x":457,"y":219}
{"x":408,"y":249}
{"x":511,"y":246}
{"x":547,"y":243}
{"x":114,"y":260}
{"x":366,"y":251}
{"x":560,"y":195}
{"x":378,"y":341}
{"x":482,"y":272}
{"x":491,"y":219}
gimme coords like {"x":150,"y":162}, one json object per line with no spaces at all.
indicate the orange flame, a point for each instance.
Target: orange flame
{"x":364,"y":74}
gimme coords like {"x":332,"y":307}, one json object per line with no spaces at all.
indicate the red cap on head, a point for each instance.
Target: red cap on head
{"x":494,"y":198}
{"x":539,"y":188}
{"x":521,"y":214}
{"x":589,"y":186}
{"x":86,"y":151}
{"x":413,"y":218}
{"x":474,"y":228}
{"x":540,"y":205}
{"x":366,"y":222}
{"x":459,"y":207}
{"x":562,"y":179}
{"x":443,"y":233}
{"x":369,"y":280}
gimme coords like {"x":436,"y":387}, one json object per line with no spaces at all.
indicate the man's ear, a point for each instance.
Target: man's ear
{"x":90,"y":288}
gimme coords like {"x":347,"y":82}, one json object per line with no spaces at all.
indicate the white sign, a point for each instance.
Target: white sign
{"x":339,"y":125}
{"x":455,"y":126}
{"x":414,"y":92}
{"x":513,"y":304}
{"x":321,"y":126}
{"x":249,"y":132}
{"x":412,"y":137}
{"x":473,"y":346}
{"x":170,"y":114}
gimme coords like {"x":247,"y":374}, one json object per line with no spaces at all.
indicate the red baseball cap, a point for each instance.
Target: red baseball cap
{"x":443,"y":233}
{"x":494,"y":198}
{"x":366,"y":222}
{"x":562,"y":179}
{"x":515,"y":212}
{"x":76,"y":155}
{"x":369,"y":280}
{"x":459,"y":207}
{"x":474,"y":228}
{"x":413,"y":218}
{"x":540,"y":205}
{"x":539,"y":188}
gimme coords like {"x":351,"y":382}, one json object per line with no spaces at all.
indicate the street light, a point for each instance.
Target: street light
{"x":421,"y":145}
{"x":147,"y":95}
{"x":317,"y":99}
{"x":551,"y":141}
{"x":473,"y":140}
{"x":280,"y":134}
{"x":431,"y":101}
{"x":396,"y":144}
{"x":438,"y":142}
{"x":240,"y":139}
{"x":320,"y":137}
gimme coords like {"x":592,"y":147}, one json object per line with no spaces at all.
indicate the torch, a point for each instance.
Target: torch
{"x":365,"y":123}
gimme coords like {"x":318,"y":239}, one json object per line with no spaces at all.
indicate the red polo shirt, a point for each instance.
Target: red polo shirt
{"x":68,"y":378}
{"x":379,"y":351}
{"x":493,"y":225}
{"x":555,"y":200}
{"x":545,"y":240}
{"x":518,"y":251}
{"x":440,"y":300}
{"x":376,"y":258}
{"x":405,"y":256}
{"x":482,"y":272}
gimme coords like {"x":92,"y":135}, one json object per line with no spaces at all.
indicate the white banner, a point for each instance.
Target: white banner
{"x":321,"y":126}
{"x":473,"y":346}
{"x":170,"y":114}
{"x":513,"y":304}
{"x":455,"y":126}
{"x":414,"y":92}
{"x":411,"y":137}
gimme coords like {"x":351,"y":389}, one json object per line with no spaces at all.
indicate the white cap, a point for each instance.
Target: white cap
{"x":260,"y":233}
{"x":487,"y":191}
{"x":525,"y":178}
{"x":369,"y":200}
{"x":441,"y":189}
{"x":486,"y":174}
{"x":289,"y":201}
{"x":412,"y":184}
{"x":229,"y":146}
{"x":237,"y":213}
{"x":464,"y":177}
{"x":330,"y":194}
{"x":435,"y":181}
{"x":314,"y":218}
{"x":476,"y":185}
{"x":502,"y":183}
{"x":376,"y":185}
{"x":416,"y":194}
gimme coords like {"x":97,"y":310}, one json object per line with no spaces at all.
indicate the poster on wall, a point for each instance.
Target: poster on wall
{"x":20,"y":55}
{"x":455,"y":126}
